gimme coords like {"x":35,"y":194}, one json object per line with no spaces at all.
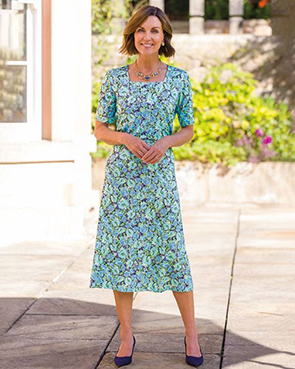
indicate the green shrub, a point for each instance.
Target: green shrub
{"x":219,"y":10}
{"x":94,"y":99}
{"x":229,"y":116}
{"x":103,"y":12}
{"x":253,"y":11}
{"x":216,"y":10}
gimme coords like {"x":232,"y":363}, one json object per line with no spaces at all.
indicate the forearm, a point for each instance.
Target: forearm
{"x":179,"y":138}
{"x":112,"y":137}
{"x":109,"y":136}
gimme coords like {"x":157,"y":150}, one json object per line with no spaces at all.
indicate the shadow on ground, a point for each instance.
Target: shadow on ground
{"x":67,"y":333}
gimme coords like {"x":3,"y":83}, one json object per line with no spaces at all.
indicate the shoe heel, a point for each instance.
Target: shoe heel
{"x":125,"y":360}
{"x":193,"y":360}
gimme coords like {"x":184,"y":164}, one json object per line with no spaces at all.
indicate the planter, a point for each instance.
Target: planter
{"x":259,"y":183}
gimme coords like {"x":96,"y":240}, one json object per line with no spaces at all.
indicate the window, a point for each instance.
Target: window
{"x":20,"y":70}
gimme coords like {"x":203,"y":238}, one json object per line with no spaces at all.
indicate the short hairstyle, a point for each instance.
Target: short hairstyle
{"x":128,"y":46}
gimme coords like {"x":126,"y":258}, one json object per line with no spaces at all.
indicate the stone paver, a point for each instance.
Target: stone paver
{"x":261,"y":318}
{"x":50,"y":318}
{"x":142,"y":360}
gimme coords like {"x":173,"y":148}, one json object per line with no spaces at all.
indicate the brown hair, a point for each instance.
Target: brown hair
{"x":128,"y":46}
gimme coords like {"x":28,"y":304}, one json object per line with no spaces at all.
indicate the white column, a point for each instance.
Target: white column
{"x":236,"y":10}
{"x":196,"y":16}
{"x":158,"y":3}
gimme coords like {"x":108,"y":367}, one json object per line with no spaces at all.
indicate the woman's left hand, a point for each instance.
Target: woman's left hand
{"x":156,"y":152}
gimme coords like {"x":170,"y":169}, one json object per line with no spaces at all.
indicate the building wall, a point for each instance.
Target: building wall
{"x":45,"y":185}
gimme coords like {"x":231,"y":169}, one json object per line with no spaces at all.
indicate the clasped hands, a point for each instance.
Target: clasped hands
{"x":148,"y":154}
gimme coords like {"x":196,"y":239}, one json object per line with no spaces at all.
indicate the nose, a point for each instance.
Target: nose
{"x":147,"y":36}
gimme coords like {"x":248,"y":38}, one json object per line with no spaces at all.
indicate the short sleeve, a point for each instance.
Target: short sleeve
{"x":107,"y":101}
{"x":184,"y":109}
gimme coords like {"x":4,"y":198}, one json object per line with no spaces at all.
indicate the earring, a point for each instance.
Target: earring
{"x":163,"y":43}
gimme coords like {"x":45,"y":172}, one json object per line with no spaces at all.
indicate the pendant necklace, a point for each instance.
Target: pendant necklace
{"x":149,"y":76}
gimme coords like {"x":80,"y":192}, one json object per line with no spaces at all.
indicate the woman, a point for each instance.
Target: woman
{"x":140,"y":243}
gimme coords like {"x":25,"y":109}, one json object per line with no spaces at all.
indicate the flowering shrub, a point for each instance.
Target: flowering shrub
{"x":256,"y":151}
{"x":260,"y":3}
{"x":219,"y":9}
{"x":233,"y":124}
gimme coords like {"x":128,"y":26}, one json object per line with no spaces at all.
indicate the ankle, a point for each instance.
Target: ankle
{"x":191,"y":331}
{"x":126,"y":336}
{"x":191,"y":336}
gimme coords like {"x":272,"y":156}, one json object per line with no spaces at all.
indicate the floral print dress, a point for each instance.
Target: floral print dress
{"x":140,"y":242}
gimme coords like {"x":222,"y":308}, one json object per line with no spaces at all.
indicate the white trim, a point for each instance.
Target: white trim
{"x":17,"y":62}
{"x":37,"y":151}
{"x":36,"y":4}
{"x":30,"y":66}
{"x":32,"y":128}
{"x":38,"y":69}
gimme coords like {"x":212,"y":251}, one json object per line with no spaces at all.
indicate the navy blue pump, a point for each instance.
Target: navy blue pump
{"x":193,"y":360}
{"x":124,"y":360}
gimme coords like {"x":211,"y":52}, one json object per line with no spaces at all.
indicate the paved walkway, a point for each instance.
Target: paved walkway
{"x":243,"y":265}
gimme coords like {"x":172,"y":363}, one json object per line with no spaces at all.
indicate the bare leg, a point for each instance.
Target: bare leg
{"x":185,"y":302}
{"x":124,"y":301}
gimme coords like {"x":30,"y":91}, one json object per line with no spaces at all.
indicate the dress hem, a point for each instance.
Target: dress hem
{"x":139,"y":290}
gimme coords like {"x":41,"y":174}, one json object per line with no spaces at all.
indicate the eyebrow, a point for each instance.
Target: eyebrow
{"x":152,"y":27}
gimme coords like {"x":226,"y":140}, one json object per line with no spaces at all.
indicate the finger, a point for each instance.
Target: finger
{"x":158,"y":158}
{"x":145,"y":145}
{"x":153,"y":158}
{"x":148,"y":156}
{"x":152,"y":153}
{"x":137,"y":154}
{"x":143,"y":151}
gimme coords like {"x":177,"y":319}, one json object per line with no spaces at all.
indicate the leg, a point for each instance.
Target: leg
{"x":124,"y":301}
{"x":185,"y":302}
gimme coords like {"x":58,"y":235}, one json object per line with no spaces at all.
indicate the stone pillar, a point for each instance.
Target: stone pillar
{"x":236,"y":11}
{"x":196,"y":16}
{"x":158,"y":3}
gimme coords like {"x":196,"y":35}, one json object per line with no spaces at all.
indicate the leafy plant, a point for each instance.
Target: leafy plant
{"x":216,"y":10}
{"x":257,"y":9}
{"x":253,"y":9}
{"x":233,"y":124}
{"x":12,"y":89}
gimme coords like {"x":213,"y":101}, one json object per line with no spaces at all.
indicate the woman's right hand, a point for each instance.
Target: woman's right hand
{"x":136,"y":145}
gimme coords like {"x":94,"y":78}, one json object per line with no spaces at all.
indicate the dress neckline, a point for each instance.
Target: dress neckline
{"x":146,"y":83}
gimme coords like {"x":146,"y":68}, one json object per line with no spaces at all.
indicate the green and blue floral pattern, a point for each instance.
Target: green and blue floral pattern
{"x":140,"y":242}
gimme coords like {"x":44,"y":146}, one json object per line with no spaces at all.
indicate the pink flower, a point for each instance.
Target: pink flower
{"x":266,"y":140}
{"x":258,"y":132}
{"x":253,"y":159}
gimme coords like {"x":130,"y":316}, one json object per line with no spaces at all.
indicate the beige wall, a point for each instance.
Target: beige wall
{"x":45,"y":186}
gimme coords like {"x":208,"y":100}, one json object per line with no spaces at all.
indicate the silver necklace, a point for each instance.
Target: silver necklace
{"x":149,"y":76}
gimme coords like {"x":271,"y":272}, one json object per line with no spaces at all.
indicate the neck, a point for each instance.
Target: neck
{"x":148,"y":62}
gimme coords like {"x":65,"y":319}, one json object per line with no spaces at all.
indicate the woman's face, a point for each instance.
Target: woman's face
{"x":149,"y":36}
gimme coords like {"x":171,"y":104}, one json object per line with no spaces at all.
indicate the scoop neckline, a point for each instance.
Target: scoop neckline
{"x":146,"y":83}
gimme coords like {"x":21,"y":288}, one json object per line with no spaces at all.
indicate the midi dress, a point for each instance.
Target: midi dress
{"x":140,"y":243}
